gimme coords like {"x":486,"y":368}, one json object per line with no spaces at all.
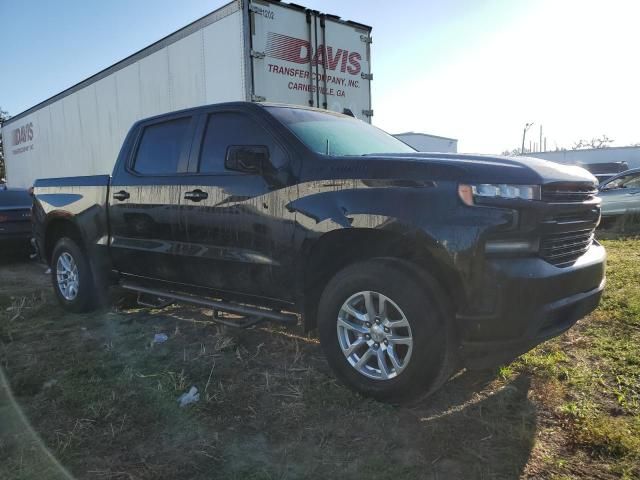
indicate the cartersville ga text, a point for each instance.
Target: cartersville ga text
{"x":325,"y":89}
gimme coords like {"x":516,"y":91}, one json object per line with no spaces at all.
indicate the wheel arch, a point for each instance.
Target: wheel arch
{"x":339,"y":248}
{"x":58,"y":227}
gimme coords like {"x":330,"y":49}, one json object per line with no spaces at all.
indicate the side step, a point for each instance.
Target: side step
{"x":253,"y":315}
{"x":152,"y":301}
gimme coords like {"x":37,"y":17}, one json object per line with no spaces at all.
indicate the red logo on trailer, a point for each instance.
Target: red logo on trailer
{"x":296,"y":50}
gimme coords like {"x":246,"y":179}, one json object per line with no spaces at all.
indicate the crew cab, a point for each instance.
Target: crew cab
{"x":408,"y":264}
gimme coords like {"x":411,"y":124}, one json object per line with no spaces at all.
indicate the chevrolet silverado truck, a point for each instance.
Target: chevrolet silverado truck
{"x":408,"y":264}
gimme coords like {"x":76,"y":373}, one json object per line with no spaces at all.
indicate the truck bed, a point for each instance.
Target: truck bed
{"x":83,"y":181}
{"x":84,"y":198}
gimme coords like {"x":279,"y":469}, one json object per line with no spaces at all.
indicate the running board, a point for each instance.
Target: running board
{"x":254,"y":314}
{"x":150,"y":301}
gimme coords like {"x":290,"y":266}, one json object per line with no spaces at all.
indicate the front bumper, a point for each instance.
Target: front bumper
{"x":526,"y":301}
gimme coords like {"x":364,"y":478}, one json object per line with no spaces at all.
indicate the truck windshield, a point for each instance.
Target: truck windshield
{"x":333,"y":134}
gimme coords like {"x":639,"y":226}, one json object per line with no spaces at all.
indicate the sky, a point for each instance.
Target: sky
{"x":475,"y":70}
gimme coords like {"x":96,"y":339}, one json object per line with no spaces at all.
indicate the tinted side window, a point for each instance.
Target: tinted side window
{"x":633,"y":181}
{"x":628,"y":181}
{"x":161,"y":146}
{"x":225,"y":129}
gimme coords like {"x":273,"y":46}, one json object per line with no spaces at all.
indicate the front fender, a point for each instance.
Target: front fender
{"x":429,"y":217}
{"x":432,"y":208}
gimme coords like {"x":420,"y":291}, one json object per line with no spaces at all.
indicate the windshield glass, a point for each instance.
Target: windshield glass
{"x":337,"y":135}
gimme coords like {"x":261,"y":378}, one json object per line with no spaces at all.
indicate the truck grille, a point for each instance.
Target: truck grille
{"x":563,"y":249}
{"x":568,"y":192}
{"x":568,"y":232}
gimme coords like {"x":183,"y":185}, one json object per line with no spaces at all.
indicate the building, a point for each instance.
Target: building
{"x":424,"y":142}
{"x":629,"y":155}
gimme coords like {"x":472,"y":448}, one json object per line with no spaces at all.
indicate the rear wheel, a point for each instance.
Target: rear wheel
{"x":72,"y":277}
{"x":385,"y":331}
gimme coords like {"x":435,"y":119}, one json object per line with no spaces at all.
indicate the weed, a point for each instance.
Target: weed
{"x":606,"y":436}
{"x":505,"y":372}
{"x":104,"y":401}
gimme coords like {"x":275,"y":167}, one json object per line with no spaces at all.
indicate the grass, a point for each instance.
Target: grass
{"x":594,"y":371}
{"x":99,"y":397}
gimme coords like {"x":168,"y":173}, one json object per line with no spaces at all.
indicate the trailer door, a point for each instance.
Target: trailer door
{"x":305,"y":58}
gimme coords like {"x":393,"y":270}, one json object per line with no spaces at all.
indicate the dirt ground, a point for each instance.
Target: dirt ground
{"x":91,"y":396}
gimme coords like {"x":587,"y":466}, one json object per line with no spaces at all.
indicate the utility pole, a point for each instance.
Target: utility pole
{"x":540,"y":138}
{"x":527,"y":126}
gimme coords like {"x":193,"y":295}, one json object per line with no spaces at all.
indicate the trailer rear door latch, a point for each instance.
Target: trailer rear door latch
{"x":367,"y":113}
{"x":256,"y":54}
{"x":258,"y":98}
{"x":366,"y":38}
{"x":367,"y":76}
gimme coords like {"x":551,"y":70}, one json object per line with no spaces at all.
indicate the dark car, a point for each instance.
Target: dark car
{"x":408,"y":264}
{"x":621,"y":195}
{"x":603,"y":171}
{"x":15,"y":219}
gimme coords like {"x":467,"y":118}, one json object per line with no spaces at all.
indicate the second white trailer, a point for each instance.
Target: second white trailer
{"x":252,"y":51}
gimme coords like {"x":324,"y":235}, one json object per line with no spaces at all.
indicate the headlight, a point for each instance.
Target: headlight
{"x":470,"y":193}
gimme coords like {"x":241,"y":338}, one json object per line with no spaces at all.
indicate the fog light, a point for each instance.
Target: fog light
{"x":509,"y":246}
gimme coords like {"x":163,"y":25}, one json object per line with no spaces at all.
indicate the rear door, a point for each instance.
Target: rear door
{"x":145,"y":198}
{"x":306,"y":58}
{"x":235,"y":231}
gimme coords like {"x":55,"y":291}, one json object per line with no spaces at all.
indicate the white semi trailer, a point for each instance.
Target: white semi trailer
{"x":246,"y":50}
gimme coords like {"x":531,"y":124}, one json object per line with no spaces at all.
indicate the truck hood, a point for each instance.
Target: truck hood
{"x":481,"y":168}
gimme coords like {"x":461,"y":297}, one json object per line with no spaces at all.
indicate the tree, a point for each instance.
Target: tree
{"x":596,"y":142}
{"x":511,"y":153}
{"x":4,"y":116}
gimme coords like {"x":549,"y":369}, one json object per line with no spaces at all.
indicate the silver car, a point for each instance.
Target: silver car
{"x":621,"y":194}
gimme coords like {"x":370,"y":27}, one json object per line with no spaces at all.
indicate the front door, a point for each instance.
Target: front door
{"x":235,"y":230}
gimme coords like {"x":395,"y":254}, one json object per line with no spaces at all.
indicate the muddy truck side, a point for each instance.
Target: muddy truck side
{"x":408,"y":264}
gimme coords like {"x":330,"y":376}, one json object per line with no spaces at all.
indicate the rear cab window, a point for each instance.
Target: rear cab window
{"x":162,"y":147}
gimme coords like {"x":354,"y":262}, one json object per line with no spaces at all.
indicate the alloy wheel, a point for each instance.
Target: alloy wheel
{"x":67,"y":276}
{"x":374,"y":335}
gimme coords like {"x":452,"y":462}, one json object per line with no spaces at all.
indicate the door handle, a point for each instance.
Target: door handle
{"x":196,"y":195}
{"x":121,"y":195}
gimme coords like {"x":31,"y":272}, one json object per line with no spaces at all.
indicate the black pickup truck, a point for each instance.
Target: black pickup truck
{"x":409,"y":264}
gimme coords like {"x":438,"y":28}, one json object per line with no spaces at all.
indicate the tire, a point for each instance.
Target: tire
{"x":409,"y":293}
{"x":67,"y":255}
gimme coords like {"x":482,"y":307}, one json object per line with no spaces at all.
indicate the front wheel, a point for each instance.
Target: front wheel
{"x":385,"y":331}
{"x":72,"y":277}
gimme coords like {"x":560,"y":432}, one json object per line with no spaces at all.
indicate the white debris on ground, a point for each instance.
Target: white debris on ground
{"x":192,"y":396}
{"x":160,"y":338}
{"x":49,"y":383}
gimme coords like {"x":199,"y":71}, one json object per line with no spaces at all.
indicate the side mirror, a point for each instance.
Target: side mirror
{"x":248,"y":158}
